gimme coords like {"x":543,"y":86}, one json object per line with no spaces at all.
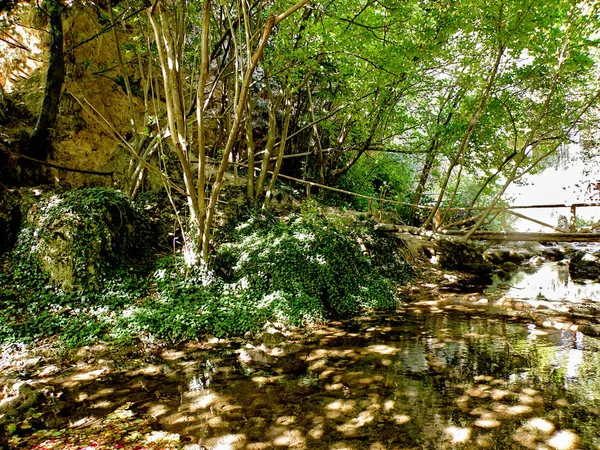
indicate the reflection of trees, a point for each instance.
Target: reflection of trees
{"x":431,"y":383}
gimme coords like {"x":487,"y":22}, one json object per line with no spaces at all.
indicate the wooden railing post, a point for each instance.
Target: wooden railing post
{"x":573,"y":222}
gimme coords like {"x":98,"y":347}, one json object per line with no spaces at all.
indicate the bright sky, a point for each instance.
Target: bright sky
{"x":564,"y":184}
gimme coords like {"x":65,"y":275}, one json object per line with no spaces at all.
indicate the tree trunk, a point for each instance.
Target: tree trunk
{"x":284,"y":133}
{"x":467,"y":136}
{"x":429,"y":160}
{"x":39,"y":142}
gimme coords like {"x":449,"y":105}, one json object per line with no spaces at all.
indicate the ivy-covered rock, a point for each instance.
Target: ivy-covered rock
{"x":386,"y":253}
{"x":462,"y":255}
{"x":79,"y":237}
{"x":10,"y":217}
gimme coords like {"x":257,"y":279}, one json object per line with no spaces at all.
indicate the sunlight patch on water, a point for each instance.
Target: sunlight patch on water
{"x":459,"y":435}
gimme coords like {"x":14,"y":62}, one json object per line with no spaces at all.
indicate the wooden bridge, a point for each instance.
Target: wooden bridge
{"x":559,"y":234}
{"x":568,"y":233}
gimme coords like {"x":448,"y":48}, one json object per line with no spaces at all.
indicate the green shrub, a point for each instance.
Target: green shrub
{"x":305,"y":270}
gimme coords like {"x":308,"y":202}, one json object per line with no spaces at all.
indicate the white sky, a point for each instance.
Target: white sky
{"x":564,"y":184}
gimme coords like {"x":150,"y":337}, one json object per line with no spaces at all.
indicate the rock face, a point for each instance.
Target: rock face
{"x":584,"y":266}
{"x":78,"y":237}
{"x":10,"y":216}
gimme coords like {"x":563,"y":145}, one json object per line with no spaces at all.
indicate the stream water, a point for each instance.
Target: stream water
{"x":550,"y":282}
{"x":424,"y":381}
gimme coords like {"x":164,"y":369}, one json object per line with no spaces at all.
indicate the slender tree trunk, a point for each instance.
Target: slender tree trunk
{"x":491,"y":178}
{"x":363,"y":148}
{"x":429,"y":160}
{"x":239,"y":111}
{"x":271,"y":138}
{"x":434,"y":147}
{"x":251,"y":150}
{"x":169,"y":42}
{"x":39,"y":141}
{"x":467,"y":136}
{"x":284,"y":132}
{"x":201,"y":119}
{"x":240,"y":107}
{"x":317,"y":137}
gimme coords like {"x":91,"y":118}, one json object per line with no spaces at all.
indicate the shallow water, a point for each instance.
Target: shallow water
{"x":550,"y":281}
{"x":433,"y":381}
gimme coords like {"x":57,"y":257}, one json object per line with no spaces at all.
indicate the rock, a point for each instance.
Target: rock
{"x":554,"y":253}
{"x":584,"y":266}
{"x":255,"y":356}
{"x":461,"y":255}
{"x":500,"y":255}
{"x":271,"y":337}
{"x":107,"y":364}
{"x":83,"y":354}
{"x":78,"y":237}
{"x":509,"y":267}
{"x":536,"y":261}
{"x":17,"y":405}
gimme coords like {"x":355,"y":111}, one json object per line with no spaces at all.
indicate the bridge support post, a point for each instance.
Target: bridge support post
{"x":573,"y":221}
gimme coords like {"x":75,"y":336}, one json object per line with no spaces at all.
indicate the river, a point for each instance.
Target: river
{"x":410,"y":381}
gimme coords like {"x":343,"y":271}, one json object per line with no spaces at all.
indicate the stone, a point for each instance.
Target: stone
{"x":461,"y":255}
{"x":584,"y":266}
{"x":509,"y":267}
{"x":554,"y":253}
{"x":271,"y":337}
{"x":500,"y":255}
{"x":78,"y":237}
{"x":107,"y":364}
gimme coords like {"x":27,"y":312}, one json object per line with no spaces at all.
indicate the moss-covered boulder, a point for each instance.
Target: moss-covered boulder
{"x":79,"y":237}
{"x":10,"y":217}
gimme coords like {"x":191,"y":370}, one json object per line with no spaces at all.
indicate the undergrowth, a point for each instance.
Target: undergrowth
{"x":301,"y":271}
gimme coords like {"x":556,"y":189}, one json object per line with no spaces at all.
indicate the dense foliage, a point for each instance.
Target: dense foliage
{"x":436,"y":103}
{"x":301,"y":271}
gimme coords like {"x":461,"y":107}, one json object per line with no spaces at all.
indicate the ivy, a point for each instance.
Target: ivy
{"x":81,"y":238}
{"x":305,"y":269}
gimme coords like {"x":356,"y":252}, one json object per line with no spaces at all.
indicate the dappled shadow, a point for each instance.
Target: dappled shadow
{"x":384,"y":382}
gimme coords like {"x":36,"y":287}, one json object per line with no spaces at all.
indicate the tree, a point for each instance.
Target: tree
{"x":39,"y":141}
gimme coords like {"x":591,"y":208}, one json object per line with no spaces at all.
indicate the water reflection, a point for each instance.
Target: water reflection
{"x":436,"y":381}
{"x":551,"y":281}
